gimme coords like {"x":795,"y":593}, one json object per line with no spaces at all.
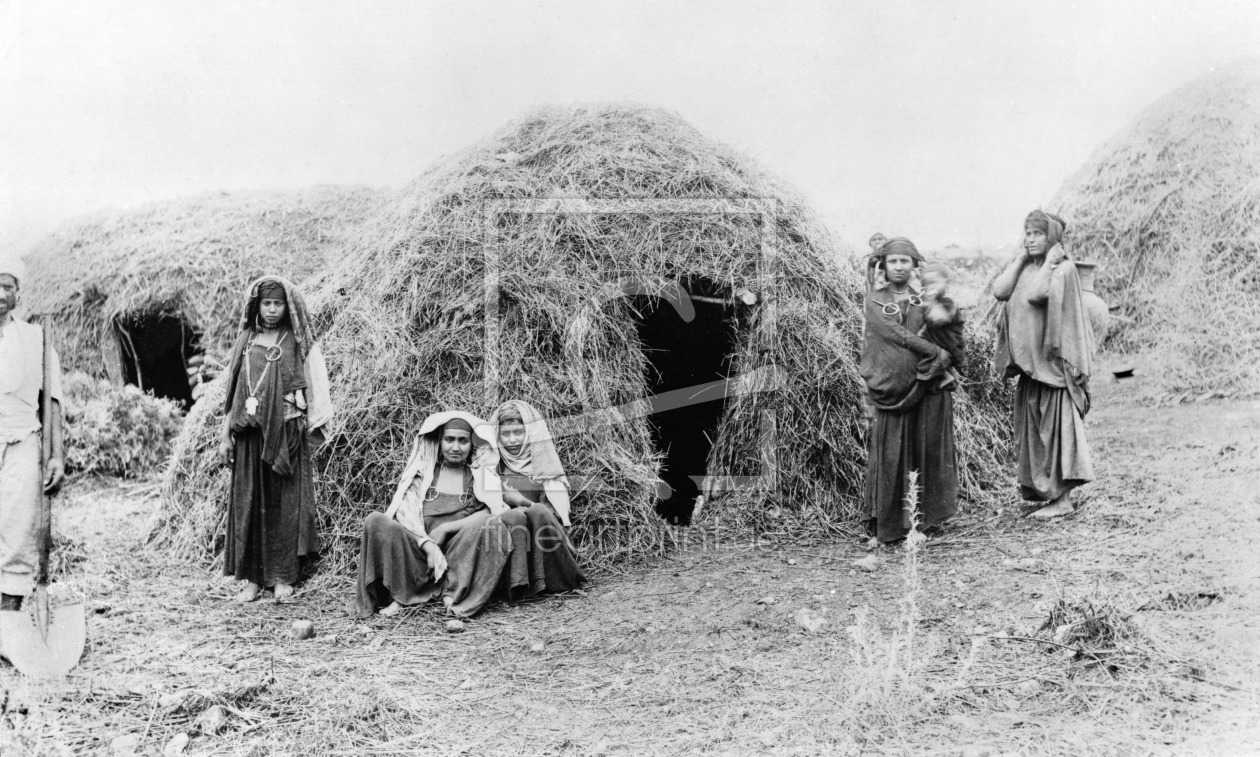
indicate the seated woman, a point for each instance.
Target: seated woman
{"x":524,"y":551}
{"x":431,"y":528}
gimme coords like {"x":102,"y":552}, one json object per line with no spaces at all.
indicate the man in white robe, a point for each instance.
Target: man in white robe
{"x":21,"y":380}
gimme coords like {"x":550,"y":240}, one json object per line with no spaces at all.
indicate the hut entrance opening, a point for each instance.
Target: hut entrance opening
{"x":684,"y":356}
{"x":156,"y":350}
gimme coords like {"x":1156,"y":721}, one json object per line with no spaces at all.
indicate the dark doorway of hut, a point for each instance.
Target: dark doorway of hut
{"x":156,"y":350}
{"x":686,"y":355}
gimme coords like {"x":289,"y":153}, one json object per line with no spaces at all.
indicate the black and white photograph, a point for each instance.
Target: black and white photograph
{"x":629,"y":377}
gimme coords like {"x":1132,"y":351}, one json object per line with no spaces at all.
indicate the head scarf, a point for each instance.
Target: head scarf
{"x":271,"y":289}
{"x":457,"y":424}
{"x":1049,"y":224}
{"x":299,"y":320}
{"x":899,"y":246}
{"x":537,"y":459}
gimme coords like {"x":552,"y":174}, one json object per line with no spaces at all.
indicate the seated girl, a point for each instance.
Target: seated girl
{"x":430,"y":532}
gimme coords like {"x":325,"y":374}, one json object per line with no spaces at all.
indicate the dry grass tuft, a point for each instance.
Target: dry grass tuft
{"x":1171,"y":208}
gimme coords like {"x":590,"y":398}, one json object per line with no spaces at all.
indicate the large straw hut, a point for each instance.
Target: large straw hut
{"x":589,"y":259}
{"x":1171,"y":209}
{"x":139,"y":293}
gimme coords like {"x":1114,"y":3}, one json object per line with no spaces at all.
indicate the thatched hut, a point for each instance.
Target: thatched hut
{"x":137,"y":294}
{"x":677,"y":312}
{"x":1171,"y":208}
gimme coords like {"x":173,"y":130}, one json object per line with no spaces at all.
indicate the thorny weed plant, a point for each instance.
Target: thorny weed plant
{"x":891,"y":682}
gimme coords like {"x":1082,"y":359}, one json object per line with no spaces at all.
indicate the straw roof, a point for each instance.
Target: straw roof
{"x":563,"y":212}
{"x":1171,"y":207}
{"x":191,"y":257}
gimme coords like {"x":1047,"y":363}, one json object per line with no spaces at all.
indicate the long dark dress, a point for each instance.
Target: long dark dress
{"x":393,"y":567}
{"x":271,"y":521}
{"x":913,"y":427}
{"x":1049,"y":347}
{"x":519,"y":553}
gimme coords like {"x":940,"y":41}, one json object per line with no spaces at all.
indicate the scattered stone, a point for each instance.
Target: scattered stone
{"x":176,"y":746}
{"x":708,"y":584}
{"x":213,"y":720}
{"x":125,"y":745}
{"x":976,"y":750}
{"x":537,"y":646}
{"x":870,"y":563}
{"x":767,"y":601}
{"x":807,"y":620}
{"x":174,"y":699}
{"x":455,"y":626}
{"x":302,"y":629}
{"x":791,"y":561}
{"x":1028,"y":688}
{"x":467,"y":684}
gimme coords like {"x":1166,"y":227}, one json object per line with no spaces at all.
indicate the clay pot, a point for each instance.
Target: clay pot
{"x":1095,"y":308}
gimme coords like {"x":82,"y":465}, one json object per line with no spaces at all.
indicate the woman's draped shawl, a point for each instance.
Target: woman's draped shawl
{"x":487,"y":486}
{"x":896,"y":362}
{"x":319,"y":406}
{"x":1053,"y":342}
{"x":537,"y":459}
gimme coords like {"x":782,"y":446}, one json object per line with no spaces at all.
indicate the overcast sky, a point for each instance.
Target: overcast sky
{"x":942,"y":121}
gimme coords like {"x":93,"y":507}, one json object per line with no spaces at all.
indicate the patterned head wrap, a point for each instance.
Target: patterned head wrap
{"x":457,"y":424}
{"x":1049,"y":224}
{"x":900,"y":246}
{"x":299,"y":320}
{"x":271,"y":290}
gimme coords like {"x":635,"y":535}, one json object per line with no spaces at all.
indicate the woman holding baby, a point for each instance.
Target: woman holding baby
{"x":913,"y":339}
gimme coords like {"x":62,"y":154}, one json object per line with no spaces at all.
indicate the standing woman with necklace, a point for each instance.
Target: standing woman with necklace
{"x":277,"y":395}
{"x":912,"y":428}
{"x":1045,"y":339}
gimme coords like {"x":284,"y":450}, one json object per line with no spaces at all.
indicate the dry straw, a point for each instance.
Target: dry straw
{"x":1171,"y":207}
{"x":403,"y":321}
{"x":188,"y":258}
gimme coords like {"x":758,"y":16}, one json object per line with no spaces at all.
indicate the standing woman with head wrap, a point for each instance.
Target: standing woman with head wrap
{"x":1044,"y":339}
{"x":912,"y":428}
{"x":277,"y":394}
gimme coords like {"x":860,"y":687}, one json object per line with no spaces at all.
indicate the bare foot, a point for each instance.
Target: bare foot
{"x":872,"y":543}
{"x":393,"y":609}
{"x":249,"y":593}
{"x":449,"y":602}
{"x":1061,"y":505}
{"x":283,"y":591}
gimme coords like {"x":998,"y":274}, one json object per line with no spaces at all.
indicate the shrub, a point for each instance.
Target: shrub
{"x":116,"y":430}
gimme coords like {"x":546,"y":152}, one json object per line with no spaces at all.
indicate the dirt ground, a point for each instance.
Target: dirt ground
{"x":936,"y":652}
